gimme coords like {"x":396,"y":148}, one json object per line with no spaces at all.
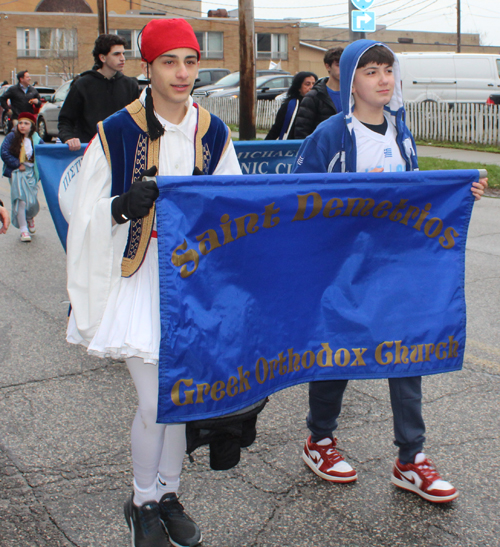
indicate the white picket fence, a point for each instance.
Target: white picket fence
{"x":459,"y":122}
{"x":228,"y":110}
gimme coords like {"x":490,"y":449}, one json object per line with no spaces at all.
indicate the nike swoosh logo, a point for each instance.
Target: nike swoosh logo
{"x":316,"y":456}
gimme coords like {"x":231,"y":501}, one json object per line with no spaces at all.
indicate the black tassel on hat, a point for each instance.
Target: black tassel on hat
{"x":155,"y":128}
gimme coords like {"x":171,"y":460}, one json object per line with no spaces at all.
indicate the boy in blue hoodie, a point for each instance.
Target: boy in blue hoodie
{"x":370,"y":136}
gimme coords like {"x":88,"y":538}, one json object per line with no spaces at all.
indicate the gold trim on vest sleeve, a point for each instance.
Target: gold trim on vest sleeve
{"x":228,"y":140}
{"x":138,"y":114}
{"x":104,"y":142}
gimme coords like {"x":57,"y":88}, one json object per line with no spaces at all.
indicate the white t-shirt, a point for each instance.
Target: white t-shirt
{"x":376,"y":150}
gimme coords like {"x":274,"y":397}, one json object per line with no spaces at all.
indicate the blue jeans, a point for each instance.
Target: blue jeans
{"x":325,"y":404}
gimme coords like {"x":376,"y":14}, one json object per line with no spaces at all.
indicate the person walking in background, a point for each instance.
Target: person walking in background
{"x":323,"y":101}
{"x":97,"y":93}
{"x":23,"y":97}
{"x":284,"y":125}
{"x":18,"y":155}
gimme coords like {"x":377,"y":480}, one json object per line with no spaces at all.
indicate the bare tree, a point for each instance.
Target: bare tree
{"x":62,"y":47}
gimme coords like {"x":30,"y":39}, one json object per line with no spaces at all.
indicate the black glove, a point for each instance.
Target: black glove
{"x":137,"y":202}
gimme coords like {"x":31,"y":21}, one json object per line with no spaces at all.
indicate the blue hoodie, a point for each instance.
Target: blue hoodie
{"x":332,"y":146}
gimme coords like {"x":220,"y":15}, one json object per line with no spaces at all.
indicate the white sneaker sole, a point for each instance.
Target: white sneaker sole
{"x":324,"y":476}
{"x":179,"y":545}
{"x":415,"y":489}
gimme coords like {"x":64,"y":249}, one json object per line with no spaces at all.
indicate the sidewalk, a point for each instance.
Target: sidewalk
{"x":483,"y":158}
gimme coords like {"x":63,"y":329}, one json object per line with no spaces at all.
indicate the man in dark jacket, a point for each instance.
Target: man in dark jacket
{"x":323,"y":100}
{"x":97,"y":93}
{"x":22,"y":96}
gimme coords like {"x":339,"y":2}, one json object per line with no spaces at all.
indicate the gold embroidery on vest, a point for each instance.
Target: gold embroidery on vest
{"x":146,"y":155}
{"x":206,"y":158}
{"x":202,"y":157}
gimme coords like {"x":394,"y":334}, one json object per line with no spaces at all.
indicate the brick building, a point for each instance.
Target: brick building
{"x":57,"y":36}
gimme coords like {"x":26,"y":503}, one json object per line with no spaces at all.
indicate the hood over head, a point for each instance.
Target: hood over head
{"x":348,"y":64}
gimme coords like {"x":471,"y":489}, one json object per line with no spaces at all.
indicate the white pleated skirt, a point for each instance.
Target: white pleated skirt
{"x":130,"y":326}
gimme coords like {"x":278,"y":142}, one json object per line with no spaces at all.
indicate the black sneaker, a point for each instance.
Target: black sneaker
{"x":145,"y":524}
{"x":181,"y":528}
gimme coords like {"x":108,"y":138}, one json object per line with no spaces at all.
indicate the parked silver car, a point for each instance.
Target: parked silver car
{"x":230,"y":82}
{"x":268,"y":87}
{"x":210,"y":76}
{"x":46,"y":123}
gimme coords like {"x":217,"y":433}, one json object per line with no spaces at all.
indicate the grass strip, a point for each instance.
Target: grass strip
{"x":437,"y":164}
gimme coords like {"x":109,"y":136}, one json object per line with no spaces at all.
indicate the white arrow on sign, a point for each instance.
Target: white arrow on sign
{"x":365,"y":18}
{"x":362,"y":5}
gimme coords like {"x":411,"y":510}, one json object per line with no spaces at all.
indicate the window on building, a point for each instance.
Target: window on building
{"x":46,"y":42}
{"x":211,"y":44}
{"x":130,"y":37}
{"x":272,"y":46}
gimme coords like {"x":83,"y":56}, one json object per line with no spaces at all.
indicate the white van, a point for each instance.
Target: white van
{"x":449,"y":77}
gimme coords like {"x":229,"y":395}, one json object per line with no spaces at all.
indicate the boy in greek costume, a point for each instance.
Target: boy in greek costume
{"x":370,"y":135}
{"x":113,"y":279}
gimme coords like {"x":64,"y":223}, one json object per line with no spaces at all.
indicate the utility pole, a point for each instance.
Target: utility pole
{"x":459,"y":38}
{"x":353,"y":36}
{"x":248,"y":94}
{"x":102,"y":16}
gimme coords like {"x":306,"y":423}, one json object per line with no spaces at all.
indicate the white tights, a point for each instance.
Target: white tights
{"x":157,"y":449}
{"x":21,"y":216}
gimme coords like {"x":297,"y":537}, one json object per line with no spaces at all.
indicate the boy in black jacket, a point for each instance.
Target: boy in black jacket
{"x":97,"y":93}
{"x":323,"y":100}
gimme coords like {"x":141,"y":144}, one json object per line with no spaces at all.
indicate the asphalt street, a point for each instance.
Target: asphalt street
{"x":65,"y":466}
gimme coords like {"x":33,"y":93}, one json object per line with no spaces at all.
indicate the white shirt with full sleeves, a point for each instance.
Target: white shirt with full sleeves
{"x":112,"y":315}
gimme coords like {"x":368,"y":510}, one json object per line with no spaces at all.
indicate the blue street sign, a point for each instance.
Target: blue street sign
{"x":362,"y":5}
{"x":363,"y":21}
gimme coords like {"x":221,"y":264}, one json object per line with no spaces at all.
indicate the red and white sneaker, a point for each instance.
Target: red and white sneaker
{"x":422,"y":478}
{"x":324,"y":459}
{"x":31,"y":225}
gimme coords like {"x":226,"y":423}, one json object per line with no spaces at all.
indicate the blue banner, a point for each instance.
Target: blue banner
{"x":270,"y":281}
{"x":59,"y":171}
{"x":266,"y":157}
{"x":59,"y":168}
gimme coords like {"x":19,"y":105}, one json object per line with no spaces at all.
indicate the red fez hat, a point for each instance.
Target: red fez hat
{"x":161,"y":35}
{"x":27,"y":116}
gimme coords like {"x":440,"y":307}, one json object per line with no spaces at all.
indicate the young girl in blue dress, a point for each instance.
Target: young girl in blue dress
{"x":18,"y":155}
